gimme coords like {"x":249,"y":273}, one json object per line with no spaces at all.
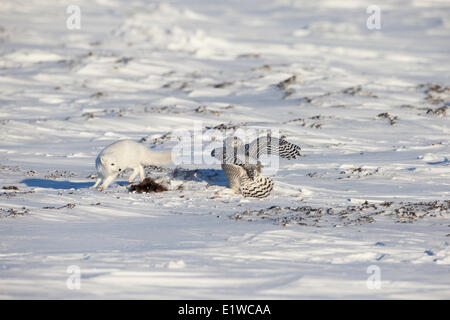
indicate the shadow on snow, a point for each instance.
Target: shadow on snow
{"x":210,"y":176}
{"x":56,"y":184}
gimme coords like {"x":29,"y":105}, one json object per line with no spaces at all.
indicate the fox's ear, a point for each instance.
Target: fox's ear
{"x":103,"y":160}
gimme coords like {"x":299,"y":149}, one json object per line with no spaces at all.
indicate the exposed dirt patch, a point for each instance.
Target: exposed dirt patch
{"x":287,"y":82}
{"x":159,"y":140}
{"x":440,"y":112}
{"x":13,"y":212}
{"x":56,"y":174}
{"x":223,"y":84}
{"x":248,"y":55}
{"x":402,"y":212}
{"x":12,"y":194}
{"x":435,"y":93}
{"x":356,"y":173}
{"x":226,"y":126}
{"x":97,"y":95}
{"x":68,"y":206}
{"x":392,"y":119}
{"x":204,"y":109}
{"x":162,"y":109}
{"x":10,"y":188}
{"x":358,"y":91}
{"x":312,"y":122}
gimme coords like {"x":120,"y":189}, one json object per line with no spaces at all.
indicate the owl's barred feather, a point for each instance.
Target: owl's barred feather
{"x":259,"y":187}
{"x":272,"y":146}
{"x":249,"y":182}
{"x":241,"y":163}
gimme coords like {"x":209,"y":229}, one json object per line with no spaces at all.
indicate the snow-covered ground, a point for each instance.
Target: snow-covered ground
{"x":363,"y":214}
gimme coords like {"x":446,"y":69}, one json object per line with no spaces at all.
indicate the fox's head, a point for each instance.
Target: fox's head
{"x":110,"y":163}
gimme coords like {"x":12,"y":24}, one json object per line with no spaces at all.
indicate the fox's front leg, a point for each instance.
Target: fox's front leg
{"x":99,"y":179}
{"x":106,"y":182}
{"x":133,"y":174}
{"x":141,"y":173}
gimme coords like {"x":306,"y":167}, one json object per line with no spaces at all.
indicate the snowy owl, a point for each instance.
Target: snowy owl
{"x":240,"y":162}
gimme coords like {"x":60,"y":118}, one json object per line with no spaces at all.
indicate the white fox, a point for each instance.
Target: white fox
{"x":126,"y":154}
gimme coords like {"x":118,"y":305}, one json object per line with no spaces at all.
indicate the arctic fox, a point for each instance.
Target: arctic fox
{"x":126,"y":154}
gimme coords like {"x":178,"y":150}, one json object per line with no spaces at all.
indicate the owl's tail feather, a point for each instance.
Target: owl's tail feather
{"x":259,"y":187}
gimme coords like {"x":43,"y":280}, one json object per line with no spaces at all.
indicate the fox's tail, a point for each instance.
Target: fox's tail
{"x":158,"y":158}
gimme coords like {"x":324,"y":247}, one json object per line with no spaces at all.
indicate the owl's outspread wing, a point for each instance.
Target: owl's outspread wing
{"x":272,"y":146}
{"x":241,"y":163}
{"x":235,"y":152}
